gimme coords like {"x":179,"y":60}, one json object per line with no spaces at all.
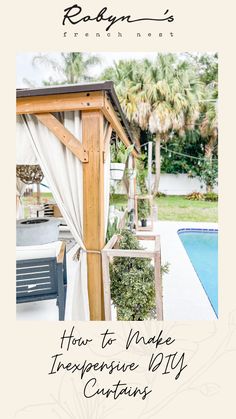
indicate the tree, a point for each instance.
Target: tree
{"x":161,"y":96}
{"x":71,"y":67}
{"x":172,"y":98}
{"x":207,"y":67}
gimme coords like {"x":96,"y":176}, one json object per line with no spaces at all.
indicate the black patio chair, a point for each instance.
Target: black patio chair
{"x":43,"y":279}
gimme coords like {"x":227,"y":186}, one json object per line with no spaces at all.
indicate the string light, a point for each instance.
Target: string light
{"x":184,"y":155}
{"x":180,"y":154}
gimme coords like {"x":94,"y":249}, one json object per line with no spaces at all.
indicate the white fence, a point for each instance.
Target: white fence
{"x":181,"y":184}
{"x":170,"y":184}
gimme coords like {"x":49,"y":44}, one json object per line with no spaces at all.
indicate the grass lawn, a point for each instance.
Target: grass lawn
{"x":178,"y":208}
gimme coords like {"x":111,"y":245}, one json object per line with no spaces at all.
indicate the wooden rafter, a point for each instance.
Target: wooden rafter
{"x":111,"y":116}
{"x":64,"y":135}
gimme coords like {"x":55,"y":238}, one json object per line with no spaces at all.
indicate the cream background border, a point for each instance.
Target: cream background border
{"x":206,"y":387}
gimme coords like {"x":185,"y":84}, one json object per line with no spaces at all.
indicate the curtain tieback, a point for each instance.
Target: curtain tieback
{"x":77,"y":253}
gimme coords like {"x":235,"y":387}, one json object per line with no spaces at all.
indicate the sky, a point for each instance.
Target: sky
{"x":35,"y":74}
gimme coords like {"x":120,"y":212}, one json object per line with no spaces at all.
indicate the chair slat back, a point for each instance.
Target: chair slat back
{"x":35,"y":277}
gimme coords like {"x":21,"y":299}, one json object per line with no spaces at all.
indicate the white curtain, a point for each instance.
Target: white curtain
{"x":20,"y":189}
{"x":63,"y":172}
{"x":24,"y":150}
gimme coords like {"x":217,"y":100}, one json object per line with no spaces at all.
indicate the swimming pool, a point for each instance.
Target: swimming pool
{"x":201,"y":246}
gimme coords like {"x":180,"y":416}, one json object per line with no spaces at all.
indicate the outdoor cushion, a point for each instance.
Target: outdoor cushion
{"x":39,"y":251}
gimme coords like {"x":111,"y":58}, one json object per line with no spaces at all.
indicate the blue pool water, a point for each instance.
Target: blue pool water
{"x":202,"y":249}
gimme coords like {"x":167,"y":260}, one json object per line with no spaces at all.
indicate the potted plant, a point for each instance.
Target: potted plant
{"x":132,"y":282}
{"x":143,"y":211}
{"x":119,"y":156}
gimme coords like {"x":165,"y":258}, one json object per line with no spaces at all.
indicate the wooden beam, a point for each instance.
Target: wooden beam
{"x":111,"y":116}
{"x":60,"y":256}
{"x":135,"y":179}
{"x":106,"y":285}
{"x":86,"y":101}
{"x":64,"y":135}
{"x":149,"y":167}
{"x":107,"y":142}
{"x":93,"y":208}
{"x":59,"y":103}
{"x":158,"y":279}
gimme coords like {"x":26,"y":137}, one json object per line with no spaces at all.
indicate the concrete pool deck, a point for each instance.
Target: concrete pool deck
{"x":183,"y":295}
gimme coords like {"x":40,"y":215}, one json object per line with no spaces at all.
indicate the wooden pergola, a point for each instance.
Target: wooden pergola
{"x":96,"y":101}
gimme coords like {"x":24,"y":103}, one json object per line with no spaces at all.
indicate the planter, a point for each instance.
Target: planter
{"x":117,"y":171}
{"x":141,"y":223}
{"x":112,"y":249}
{"x":35,"y":231}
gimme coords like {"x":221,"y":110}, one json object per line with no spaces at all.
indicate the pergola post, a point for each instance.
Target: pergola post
{"x":93,"y":207}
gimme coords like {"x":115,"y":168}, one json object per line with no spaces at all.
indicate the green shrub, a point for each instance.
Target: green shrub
{"x":209,"y":173}
{"x":211,"y":196}
{"x":160,"y":195}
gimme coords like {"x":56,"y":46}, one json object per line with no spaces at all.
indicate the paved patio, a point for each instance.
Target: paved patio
{"x":184,"y":296}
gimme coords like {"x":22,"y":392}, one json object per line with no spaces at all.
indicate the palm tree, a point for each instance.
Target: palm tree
{"x":169,"y":98}
{"x":209,"y":129}
{"x":173,"y":92}
{"x":71,"y":67}
{"x":209,"y":125}
{"x":127,"y":76}
{"x":160,"y":96}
